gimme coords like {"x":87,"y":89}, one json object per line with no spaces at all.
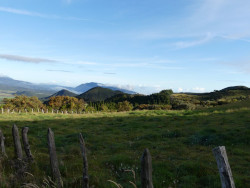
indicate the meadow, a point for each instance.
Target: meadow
{"x":180,"y":143}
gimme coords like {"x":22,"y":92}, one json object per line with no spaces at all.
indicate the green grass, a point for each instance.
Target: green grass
{"x":180,"y":143}
{"x":6,"y":94}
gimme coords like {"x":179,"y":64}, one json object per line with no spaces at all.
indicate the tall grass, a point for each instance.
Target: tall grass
{"x":180,"y":143}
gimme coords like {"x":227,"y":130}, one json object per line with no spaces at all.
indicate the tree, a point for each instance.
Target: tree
{"x":23,"y":102}
{"x":66,"y":103}
{"x":124,"y":106}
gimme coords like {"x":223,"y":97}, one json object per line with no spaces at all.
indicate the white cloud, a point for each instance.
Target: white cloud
{"x":180,"y":90}
{"x":26,"y":59}
{"x":36,"y":14}
{"x":86,"y":63}
{"x":203,"y":20}
{"x":187,"y":44}
{"x":198,"y":89}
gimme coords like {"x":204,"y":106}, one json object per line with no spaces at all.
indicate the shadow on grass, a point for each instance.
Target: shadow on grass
{"x":180,"y":145}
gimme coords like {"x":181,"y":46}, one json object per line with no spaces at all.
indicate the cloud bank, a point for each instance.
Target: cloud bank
{"x":26,"y":59}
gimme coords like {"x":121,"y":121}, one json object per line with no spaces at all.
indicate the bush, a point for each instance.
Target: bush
{"x":23,"y":102}
{"x":184,"y":106}
{"x":66,"y":103}
{"x":124,"y":106}
{"x":153,"y":107}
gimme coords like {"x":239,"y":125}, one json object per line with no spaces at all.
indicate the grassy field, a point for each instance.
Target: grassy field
{"x":180,"y":143}
{"x":6,"y":94}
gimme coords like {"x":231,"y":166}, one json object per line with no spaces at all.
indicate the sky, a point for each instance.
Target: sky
{"x":141,"y":45}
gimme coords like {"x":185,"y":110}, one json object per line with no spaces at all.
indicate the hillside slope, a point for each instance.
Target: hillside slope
{"x":87,"y":86}
{"x":98,"y":94}
{"x":62,"y":92}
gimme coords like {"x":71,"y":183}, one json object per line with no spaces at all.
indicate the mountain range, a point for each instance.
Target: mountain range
{"x":18,"y":87}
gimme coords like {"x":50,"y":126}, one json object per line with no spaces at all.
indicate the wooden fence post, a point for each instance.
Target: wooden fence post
{"x":226,"y":176}
{"x":146,"y":170}
{"x":53,"y":159}
{"x":32,"y":110}
{"x":17,"y":143}
{"x":2,"y":110}
{"x":2,"y":138}
{"x":85,"y":163}
{"x":26,"y":143}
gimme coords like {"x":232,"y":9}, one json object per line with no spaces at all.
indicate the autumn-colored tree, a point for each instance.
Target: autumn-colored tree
{"x":66,"y":103}
{"x":22,"y":102}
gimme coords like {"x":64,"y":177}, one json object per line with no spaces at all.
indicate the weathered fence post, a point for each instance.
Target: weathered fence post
{"x":38,"y":110}
{"x":8,"y":111}
{"x":26,"y":143}
{"x":2,"y":138}
{"x":53,"y":159}
{"x":2,"y":111}
{"x":85,"y":163}
{"x":47,"y":111}
{"x":146,"y":170}
{"x":17,"y":143}
{"x":32,"y":110}
{"x":226,"y":176}
{"x":57,"y":111}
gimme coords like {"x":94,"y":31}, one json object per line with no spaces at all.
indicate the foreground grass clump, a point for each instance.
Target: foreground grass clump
{"x":180,"y":143}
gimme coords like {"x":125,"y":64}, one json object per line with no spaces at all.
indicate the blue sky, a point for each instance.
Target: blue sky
{"x":142,"y":45}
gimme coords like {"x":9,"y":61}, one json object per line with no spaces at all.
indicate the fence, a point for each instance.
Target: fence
{"x":146,"y":160}
{"x":44,"y":111}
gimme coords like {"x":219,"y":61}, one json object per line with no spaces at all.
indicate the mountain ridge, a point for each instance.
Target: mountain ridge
{"x":98,"y":94}
{"x":19,"y":87}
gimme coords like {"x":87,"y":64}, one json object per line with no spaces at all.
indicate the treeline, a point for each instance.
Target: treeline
{"x":65,"y":103}
{"x":164,"y":100}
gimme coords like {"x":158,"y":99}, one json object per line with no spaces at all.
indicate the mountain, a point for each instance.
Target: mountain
{"x":162,"y":97}
{"x":87,"y":86}
{"x":98,"y":94}
{"x":39,"y":94}
{"x":12,"y":84}
{"x":7,"y":83}
{"x":62,"y":92}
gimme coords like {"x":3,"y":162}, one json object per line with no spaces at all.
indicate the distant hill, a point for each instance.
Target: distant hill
{"x":87,"y":86}
{"x":62,"y":92}
{"x":242,"y":88}
{"x":162,"y":97}
{"x":98,"y":94}
{"x":41,"y":90}
{"x":12,"y":84}
{"x":229,"y":92}
{"x":39,"y":94}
